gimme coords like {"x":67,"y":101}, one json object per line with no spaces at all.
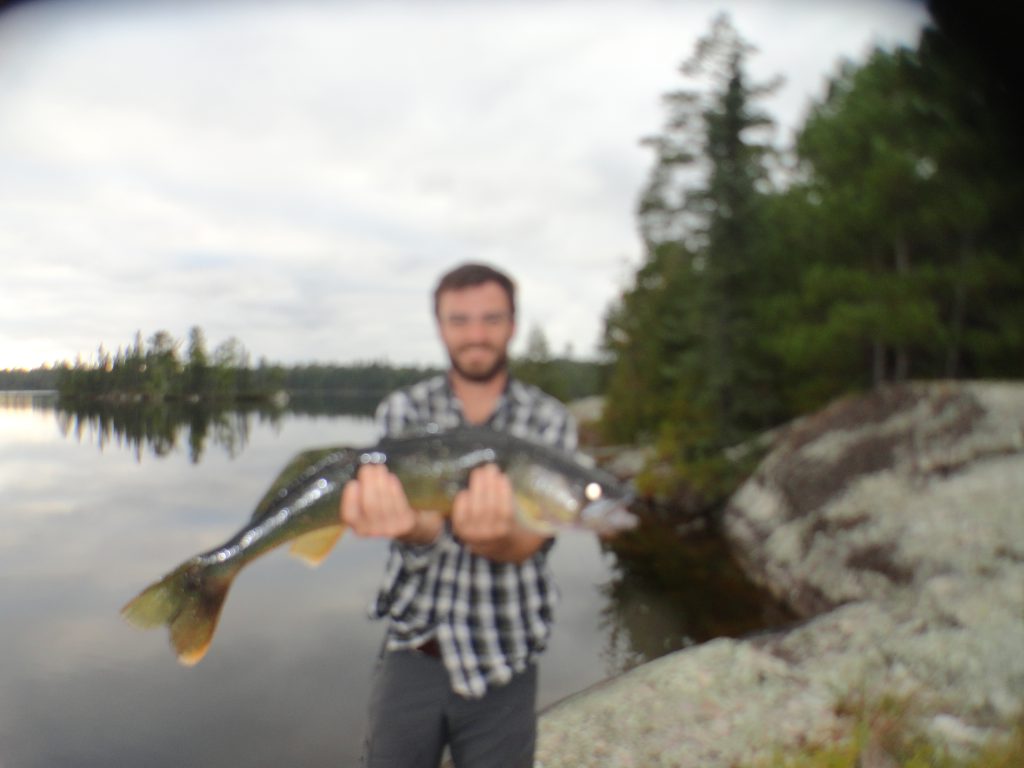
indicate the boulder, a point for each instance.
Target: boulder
{"x":877,"y":495}
{"x":894,"y":522}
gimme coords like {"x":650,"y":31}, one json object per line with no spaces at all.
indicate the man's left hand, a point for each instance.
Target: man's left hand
{"x":484,"y":513}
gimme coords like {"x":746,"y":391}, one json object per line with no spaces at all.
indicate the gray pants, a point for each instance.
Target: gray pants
{"x":414,"y":714}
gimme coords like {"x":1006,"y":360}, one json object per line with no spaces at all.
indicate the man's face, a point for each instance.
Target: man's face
{"x":476,"y":327}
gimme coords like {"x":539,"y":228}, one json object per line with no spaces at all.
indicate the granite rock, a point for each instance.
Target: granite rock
{"x":894,"y":523}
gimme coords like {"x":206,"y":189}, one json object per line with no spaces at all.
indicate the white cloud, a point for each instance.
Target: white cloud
{"x":297,"y":174}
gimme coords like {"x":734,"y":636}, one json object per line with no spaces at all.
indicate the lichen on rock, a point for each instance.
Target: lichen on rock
{"x":894,"y":523}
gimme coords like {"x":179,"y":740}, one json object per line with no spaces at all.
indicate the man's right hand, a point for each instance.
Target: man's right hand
{"x":375,"y":505}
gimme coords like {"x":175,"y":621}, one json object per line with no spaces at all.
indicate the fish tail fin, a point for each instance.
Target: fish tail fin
{"x":188,"y":601}
{"x":314,"y":546}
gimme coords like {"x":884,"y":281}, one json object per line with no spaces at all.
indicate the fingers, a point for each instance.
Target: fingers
{"x":485,"y":510}
{"x":351,"y":512}
{"x":374,"y":504}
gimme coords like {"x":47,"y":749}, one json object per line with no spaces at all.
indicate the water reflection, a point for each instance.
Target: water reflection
{"x":668,"y":591}
{"x":83,"y":530}
{"x":662,"y":591}
{"x":159,"y":428}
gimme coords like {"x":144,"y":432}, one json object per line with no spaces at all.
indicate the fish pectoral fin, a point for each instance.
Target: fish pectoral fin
{"x":314,"y":546}
{"x":531,"y":516}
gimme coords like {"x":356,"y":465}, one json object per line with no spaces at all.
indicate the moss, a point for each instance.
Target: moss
{"x":886,"y":733}
{"x":694,"y":481}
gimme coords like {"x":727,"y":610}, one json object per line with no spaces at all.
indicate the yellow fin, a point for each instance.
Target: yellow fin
{"x":189,"y":602}
{"x":314,"y":546}
{"x":531,"y":516}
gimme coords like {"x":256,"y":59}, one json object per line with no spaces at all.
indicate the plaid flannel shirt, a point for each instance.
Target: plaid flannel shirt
{"x":491,"y":620}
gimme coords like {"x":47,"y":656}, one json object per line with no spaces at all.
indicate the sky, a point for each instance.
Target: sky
{"x":296,"y":174}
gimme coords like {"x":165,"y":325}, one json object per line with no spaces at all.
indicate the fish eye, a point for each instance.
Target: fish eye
{"x":593,"y":491}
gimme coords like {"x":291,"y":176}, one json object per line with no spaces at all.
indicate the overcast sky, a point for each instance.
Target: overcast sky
{"x":297,"y":174}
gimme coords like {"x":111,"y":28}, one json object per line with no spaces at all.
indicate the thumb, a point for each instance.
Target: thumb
{"x":350,"y":512}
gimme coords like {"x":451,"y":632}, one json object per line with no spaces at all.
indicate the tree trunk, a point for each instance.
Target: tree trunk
{"x":959,"y":311}
{"x":902,"y":256}
{"x":877,"y":363}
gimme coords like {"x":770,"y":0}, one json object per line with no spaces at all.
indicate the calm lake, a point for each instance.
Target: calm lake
{"x":91,"y":513}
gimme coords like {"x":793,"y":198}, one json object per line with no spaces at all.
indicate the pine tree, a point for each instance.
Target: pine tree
{"x":686,"y":331}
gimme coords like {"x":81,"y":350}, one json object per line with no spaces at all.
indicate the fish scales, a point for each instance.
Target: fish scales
{"x":552,"y":489}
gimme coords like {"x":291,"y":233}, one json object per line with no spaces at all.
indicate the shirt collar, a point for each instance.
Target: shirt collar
{"x":511,"y":393}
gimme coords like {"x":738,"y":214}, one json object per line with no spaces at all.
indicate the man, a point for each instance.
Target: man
{"x":469,"y":600}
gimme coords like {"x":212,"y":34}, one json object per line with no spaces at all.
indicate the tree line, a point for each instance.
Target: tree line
{"x":155,"y":370}
{"x":884,"y":244}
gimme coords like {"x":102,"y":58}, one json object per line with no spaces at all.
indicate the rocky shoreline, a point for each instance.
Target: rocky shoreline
{"x":894,"y":524}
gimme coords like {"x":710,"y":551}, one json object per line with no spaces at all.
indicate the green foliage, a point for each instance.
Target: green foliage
{"x":357,"y":379}
{"x":21,"y":379}
{"x":894,"y":249}
{"x":153,"y":372}
{"x":648,"y":336}
{"x":919,"y":245}
{"x":561,"y":377}
{"x":886,"y":732}
{"x":691,"y":370}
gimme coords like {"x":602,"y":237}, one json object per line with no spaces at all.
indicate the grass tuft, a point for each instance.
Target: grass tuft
{"x":886,"y":734}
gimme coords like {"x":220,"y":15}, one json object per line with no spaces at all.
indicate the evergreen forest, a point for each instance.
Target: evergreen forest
{"x":156,"y":370}
{"x":884,"y":245}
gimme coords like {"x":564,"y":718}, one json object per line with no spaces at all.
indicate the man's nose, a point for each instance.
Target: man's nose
{"x":477,"y":330}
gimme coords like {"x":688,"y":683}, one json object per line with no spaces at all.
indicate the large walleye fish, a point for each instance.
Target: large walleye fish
{"x":552,"y":489}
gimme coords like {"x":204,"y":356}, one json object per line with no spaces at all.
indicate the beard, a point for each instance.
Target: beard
{"x":480,"y":375}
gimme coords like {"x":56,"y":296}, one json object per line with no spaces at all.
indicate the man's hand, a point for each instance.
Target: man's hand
{"x":484,"y":512}
{"x":375,"y":505}
{"x":484,"y":518}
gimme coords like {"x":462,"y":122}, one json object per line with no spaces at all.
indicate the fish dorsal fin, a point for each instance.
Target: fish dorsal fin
{"x":314,"y":546}
{"x":476,"y":458}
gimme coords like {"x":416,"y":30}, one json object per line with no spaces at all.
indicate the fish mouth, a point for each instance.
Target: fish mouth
{"x":609,"y":516}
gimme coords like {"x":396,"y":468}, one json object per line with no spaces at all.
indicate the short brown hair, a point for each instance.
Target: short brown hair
{"x":470,"y":276}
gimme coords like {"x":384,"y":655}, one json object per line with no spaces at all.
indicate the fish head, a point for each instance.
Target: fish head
{"x":609,"y":514}
{"x":563,"y":493}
